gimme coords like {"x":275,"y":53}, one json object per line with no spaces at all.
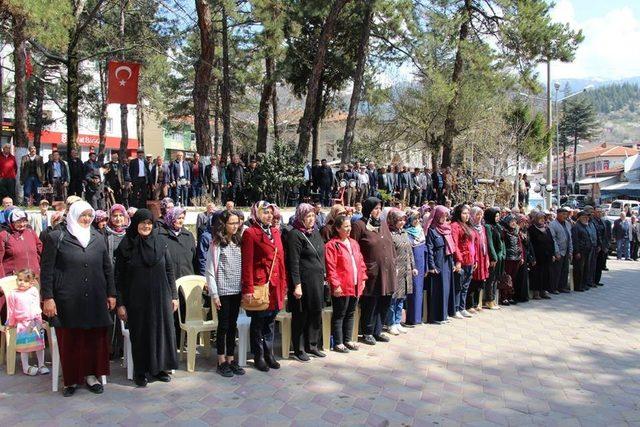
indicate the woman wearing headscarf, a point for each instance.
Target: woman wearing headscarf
{"x":544,"y":250}
{"x":165,"y":204}
{"x":496,"y":256}
{"x":20,"y":247}
{"x":440,"y":253}
{"x":306,"y":268}
{"x":405,"y":270}
{"x":346,"y":274}
{"x":100,"y":221}
{"x":465,"y":257}
{"x":116,"y":227}
{"x":262,"y":263}
{"x":481,"y":272}
{"x":182,"y":244}
{"x":514,"y":255}
{"x":147,"y":298}
{"x":417,"y":238}
{"x":521,"y":285}
{"x":379,"y":255}
{"x":78,"y":292}
{"x":335,"y":211}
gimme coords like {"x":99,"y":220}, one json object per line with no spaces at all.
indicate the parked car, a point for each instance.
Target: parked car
{"x":618,"y":205}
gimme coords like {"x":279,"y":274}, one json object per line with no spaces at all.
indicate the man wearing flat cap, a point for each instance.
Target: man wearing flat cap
{"x":561,"y":231}
{"x":582,"y":248}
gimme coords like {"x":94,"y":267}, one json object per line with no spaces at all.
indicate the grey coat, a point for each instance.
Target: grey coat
{"x":561,"y":238}
{"x":405,"y":264}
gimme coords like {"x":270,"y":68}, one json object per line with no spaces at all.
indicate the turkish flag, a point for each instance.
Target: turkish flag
{"x":123,"y":82}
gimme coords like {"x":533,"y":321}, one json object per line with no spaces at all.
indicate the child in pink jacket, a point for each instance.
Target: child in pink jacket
{"x":24,"y":313}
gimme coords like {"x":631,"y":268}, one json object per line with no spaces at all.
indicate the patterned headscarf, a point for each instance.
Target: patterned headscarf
{"x":393,"y":217}
{"x":171,"y":216}
{"x":443,"y":228}
{"x":478,"y":226}
{"x":16,"y":215}
{"x":258,"y":207}
{"x":100,"y":216}
{"x":535,"y":217}
{"x":415,"y":232}
{"x":118,"y":208}
{"x":164,"y":204}
{"x":302,"y":211}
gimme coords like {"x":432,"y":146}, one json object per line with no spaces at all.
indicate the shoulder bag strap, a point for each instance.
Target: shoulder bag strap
{"x":273,"y":263}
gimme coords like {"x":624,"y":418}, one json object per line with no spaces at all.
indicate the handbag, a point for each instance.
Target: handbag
{"x":505,"y":282}
{"x":260,"y":300}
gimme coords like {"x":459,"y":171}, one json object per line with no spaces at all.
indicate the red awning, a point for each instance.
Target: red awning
{"x":84,"y":140}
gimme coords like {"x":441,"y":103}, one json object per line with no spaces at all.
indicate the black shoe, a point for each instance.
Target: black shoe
{"x":315,"y":352}
{"x":505,"y":302}
{"x":96,"y":388}
{"x":140,"y":380}
{"x":301,"y":356}
{"x":69,"y":391}
{"x":565,"y":291}
{"x":579,"y":290}
{"x":340,"y":348}
{"x":406,"y":325}
{"x":600,"y":284}
{"x":271,"y":361}
{"x":605,"y":269}
{"x":225,"y":370}
{"x":351,"y":347}
{"x":163,"y":376}
{"x":555,"y":292}
{"x":260,"y":364}
{"x":513,"y":302}
{"x":544,"y":295}
{"x":381,"y":338}
{"x":368,"y":339}
{"x":236,"y":369}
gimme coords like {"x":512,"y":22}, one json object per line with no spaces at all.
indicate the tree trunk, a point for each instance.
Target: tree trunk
{"x":39,"y":120}
{"x":140,"y":124}
{"x":204,"y":77}
{"x":20,"y":80}
{"x":124,"y":132}
{"x":564,"y":167}
{"x":274,"y":105}
{"x":216,"y":121}
{"x":227,"y":143}
{"x":575,"y":158}
{"x":450,"y":128}
{"x":317,"y":116}
{"x":306,"y":122}
{"x":357,"y":82}
{"x":102,"y":126}
{"x":265,"y":101}
{"x":73,"y":99}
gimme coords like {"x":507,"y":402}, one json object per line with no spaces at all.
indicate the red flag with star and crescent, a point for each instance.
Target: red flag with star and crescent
{"x":123,"y":82}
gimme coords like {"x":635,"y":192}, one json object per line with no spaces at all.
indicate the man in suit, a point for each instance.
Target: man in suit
{"x":31,"y":175}
{"x":57,"y":176}
{"x":160,"y":179}
{"x":235,"y":179}
{"x":373,"y":179}
{"x":116,"y":179}
{"x":426,"y":185}
{"x":204,"y":219}
{"x":213,"y":178}
{"x":622,"y":234}
{"x":438,"y":185}
{"x":197,"y":177}
{"x":76,"y":174}
{"x":92,"y":165}
{"x":139,"y":173}
{"x":325,"y":182}
{"x":181,"y":176}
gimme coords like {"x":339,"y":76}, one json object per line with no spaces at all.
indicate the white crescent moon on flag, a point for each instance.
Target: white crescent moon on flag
{"x":123,"y":68}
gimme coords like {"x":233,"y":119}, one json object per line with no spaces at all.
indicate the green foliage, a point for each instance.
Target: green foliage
{"x":49,"y":22}
{"x":527,"y":129}
{"x":615,"y":97}
{"x":279,"y":172}
{"x":578,"y":119}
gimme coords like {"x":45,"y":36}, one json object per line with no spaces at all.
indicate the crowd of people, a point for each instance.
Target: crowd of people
{"x":94,"y":267}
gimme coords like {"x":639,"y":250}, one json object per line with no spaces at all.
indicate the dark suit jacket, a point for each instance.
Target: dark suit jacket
{"x":48,"y":168}
{"x":207,"y":175}
{"x":200,"y":178}
{"x":134,"y":169}
{"x":166,"y":178}
{"x":39,"y":168}
{"x":175,"y":170}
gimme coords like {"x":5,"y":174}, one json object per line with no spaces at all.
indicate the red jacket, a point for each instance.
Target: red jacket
{"x":465,"y":252}
{"x":340,"y":267}
{"x":8,"y":166}
{"x":258,"y":252}
{"x":19,"y":250}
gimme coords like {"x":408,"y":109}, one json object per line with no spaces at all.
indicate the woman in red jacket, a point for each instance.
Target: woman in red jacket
{"x":20,"y":247}
{"x":464,"y":256}
{"x":263,"y":262}
{"x":481,"y":272}
{"x":346,"y":274}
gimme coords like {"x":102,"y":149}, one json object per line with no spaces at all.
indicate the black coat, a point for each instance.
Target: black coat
{"x":580,"y":238}
{"x":146,"y":292}
{"x":78,"y":279}
{"x":305,"y":266}
{"x":182,"y":249}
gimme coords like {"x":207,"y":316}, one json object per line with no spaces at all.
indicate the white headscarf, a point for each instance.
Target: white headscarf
{"x":81,"y":233}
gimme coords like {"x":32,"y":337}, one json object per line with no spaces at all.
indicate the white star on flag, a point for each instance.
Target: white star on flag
{"x":123,"y":82}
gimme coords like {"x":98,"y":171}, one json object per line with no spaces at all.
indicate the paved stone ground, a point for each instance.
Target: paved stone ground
{"x":571,"y":361}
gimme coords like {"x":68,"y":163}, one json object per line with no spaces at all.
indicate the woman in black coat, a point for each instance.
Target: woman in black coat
{"x":147,"y":298}
{"x":305,"y":264}
{"x":78,"y":291}
{"x":181,"y":243}
{"x":544,"y":250}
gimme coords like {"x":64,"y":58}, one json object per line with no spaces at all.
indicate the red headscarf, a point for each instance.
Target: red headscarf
{"x":443,"y":228}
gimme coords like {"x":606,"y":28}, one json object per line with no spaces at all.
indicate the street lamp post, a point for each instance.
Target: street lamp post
{"x":549,"y":124}
{"x":556,"y":85}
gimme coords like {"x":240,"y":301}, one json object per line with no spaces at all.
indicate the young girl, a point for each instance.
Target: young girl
{"x":24,"y":313}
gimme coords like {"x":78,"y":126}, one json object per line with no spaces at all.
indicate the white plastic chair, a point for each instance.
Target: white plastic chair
{"x":244,"y":322}
{"x":284,"y":319}
{"x":194,"y":324}
{"x":128,"y":357}
{"x":8,"y":335}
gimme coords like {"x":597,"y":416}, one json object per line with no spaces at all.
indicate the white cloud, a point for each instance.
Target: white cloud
{"x":609,"y":49}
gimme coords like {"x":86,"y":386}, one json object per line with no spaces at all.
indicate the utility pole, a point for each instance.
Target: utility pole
{"x":549,"y":124}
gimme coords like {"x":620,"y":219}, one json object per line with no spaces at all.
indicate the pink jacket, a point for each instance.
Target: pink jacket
{"x":23,"y":307}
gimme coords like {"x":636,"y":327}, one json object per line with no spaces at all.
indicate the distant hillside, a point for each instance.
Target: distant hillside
{"x":615,"y":97}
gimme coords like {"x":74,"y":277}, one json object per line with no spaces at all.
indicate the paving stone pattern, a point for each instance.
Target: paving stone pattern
{"x":570,"y":361}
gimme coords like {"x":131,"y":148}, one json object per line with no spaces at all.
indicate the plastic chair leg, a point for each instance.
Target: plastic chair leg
{"x":3,"y":346}
{"x":55,"y":359}
{"x":356,"y":324}
{"x":104,"y":379}
{"x":326,"y":329}
{"x":192,"y":339}
{"x":206,"y":337}
{"x":285,"y":326}
{"x":243,"y":344}
{"x":182,"y":337}
{"x":11,"y":351}
{"x":128,"y":358}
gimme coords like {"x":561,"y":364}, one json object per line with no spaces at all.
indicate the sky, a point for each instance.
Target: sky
{"x":611,"y":48}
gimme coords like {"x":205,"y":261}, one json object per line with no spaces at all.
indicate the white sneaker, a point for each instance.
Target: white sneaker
{"x":393,"y":330}
{"x":465,"y":313}
{"x":457,"y":315}
{"x":402,"y":329}
{"x":43,"y":370}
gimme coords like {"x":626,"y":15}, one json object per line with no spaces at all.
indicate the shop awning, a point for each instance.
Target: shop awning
{"x":627,"y":188}
{"x":596,"y":180}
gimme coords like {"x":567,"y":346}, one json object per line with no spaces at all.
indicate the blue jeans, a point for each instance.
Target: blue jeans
{"x":394,"y":314}
{"x":182,"y":195}
{"x":462,"y":281}
{"x":622,"y":248}
{"x":196,"y":189}
{"x":31,"y":185}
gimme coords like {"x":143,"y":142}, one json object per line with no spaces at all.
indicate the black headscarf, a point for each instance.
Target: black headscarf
{"x":490,"y":216}
{"x":150,"y":248}
{"x":367,"y":207}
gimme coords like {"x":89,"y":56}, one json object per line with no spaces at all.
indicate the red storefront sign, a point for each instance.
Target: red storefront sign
{"x":84,"y":140}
